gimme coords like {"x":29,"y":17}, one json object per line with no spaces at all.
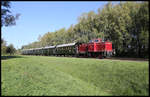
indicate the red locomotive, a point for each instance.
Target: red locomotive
{"x":95,"y":48}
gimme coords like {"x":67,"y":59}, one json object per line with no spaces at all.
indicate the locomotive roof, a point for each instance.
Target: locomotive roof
{"x":64,"y":45}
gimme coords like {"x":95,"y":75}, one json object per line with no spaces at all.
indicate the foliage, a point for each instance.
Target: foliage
{"x":7,"y":18}
{"x":3,"y":49}
{"x":10,"y":49}
{"x":7,"y":49}
{"x":3,"y":46}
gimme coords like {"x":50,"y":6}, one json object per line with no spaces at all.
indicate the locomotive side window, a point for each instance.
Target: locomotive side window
{"x":91,"y":41}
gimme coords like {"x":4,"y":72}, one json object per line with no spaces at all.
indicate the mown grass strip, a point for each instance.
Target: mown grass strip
{"x":43,"y":75}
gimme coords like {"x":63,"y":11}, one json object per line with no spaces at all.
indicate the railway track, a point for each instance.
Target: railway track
{"x":116,"y":58}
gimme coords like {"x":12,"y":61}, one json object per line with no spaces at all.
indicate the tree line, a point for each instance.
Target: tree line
{"x":7,"y":49}
{"x":125,"y":24}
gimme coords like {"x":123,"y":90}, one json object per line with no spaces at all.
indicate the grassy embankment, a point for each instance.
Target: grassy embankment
{"x":43,"y":75}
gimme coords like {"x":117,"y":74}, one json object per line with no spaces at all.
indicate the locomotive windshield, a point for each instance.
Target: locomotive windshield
{"x":96,"y":40}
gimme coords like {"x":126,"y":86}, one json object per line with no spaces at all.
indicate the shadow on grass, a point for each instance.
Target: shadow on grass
{"x":10,"y":57}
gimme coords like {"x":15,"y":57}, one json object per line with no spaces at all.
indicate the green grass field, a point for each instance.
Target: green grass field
{"x":43,"y":75}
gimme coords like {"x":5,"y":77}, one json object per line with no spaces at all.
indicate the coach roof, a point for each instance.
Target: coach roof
{"x":69,"y":44}
{"x":49,"y":47}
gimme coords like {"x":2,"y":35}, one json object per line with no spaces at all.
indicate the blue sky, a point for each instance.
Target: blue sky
{"x":37,"y":18}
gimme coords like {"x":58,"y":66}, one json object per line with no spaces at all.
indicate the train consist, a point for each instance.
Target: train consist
{"x":95,"y":48}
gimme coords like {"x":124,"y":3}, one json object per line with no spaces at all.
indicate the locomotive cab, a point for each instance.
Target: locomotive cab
{"x":99,"y":48}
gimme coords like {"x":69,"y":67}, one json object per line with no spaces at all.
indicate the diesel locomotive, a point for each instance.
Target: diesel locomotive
{"x":95,"y":48}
